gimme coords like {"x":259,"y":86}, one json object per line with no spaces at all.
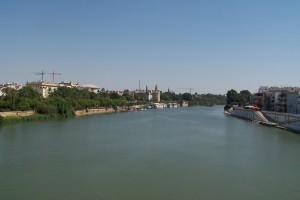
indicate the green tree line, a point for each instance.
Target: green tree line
{"x":234,"y":98}
{"x":194,"y":99}
{"x":62,"y":102}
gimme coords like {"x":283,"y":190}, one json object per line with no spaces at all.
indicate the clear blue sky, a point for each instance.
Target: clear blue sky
{"x":209,"y":45}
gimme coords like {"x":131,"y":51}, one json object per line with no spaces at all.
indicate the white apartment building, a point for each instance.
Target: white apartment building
{"x":43,"y":88}
{"x":293,"y":103}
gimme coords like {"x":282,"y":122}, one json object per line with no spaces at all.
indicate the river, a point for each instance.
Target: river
{"x":179,"y":153}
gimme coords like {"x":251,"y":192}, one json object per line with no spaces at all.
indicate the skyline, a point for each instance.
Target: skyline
{"x":211,"y":46}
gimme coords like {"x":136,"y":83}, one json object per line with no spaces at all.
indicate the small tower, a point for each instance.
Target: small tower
{"x":156,"y":94}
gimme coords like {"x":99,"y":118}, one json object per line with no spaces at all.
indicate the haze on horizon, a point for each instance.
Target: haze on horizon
{"x":211,"y":46}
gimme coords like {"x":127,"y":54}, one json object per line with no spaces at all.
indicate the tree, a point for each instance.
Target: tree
{"x":139,"y":96}
{"x":28,"y":92}
{"x":4,"y":105}
{"x":244,"y":97}
{"x":166,"y":96}
{"x":10,"y":96}
{"x":127,"y":96}
{"x":115,"y":95}
{"x":232,"y":96}
{"x":24,"y":105}
{"x":187,"y":97}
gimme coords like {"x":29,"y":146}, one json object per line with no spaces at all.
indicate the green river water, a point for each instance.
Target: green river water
{"x":169,"y":154}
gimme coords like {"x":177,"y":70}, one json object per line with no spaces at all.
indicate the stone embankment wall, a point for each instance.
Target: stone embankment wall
{"x":94,"y":111}
{"x":287,"y":120}
{"x":247,"y":114}
{"x":16,"y":113}
{"x":77,"y":113}
{"x":282,"y":117}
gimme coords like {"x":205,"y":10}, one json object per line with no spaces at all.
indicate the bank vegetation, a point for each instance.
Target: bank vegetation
{"x":64,"y":102}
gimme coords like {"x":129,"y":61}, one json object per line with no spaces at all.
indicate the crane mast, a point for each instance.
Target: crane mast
{"x":42,"y":73}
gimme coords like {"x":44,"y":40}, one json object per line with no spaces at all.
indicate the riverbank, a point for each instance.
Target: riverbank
{"x":17,"y":113}
{"x":285,"y":121}
{"x":26,"y":116}
{"x":85,"y":112}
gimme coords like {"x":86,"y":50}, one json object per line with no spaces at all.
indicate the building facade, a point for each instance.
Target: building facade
{"x":43,"y":88}
{"x":12,"y":85}
{"x":153,"y":95}
{"x":293,"y":103}
{"x":279,"y":99}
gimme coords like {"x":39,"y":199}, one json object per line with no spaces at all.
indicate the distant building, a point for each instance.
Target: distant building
{"x":67,"y":84}
{"x":281,"y":106}
{"x":274,"y":101}
{"x":263,"y":89}
{"x":153,"y":95}
{"x":278,"y":99}
{"x":43,"y":88}
{"x":257,"y":98}
{"x":293,"y":103}
{"x":120,"y":93}
{"x":12,"y":85}
{"x":89,"y":87}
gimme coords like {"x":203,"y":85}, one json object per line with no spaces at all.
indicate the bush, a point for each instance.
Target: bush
{"x":42,"y":108}
{"x":23,"y":106}
{"x":227,"y":107}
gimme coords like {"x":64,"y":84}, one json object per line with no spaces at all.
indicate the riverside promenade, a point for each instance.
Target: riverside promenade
{"x":252,"y":115}
{"x":287,"y":121}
